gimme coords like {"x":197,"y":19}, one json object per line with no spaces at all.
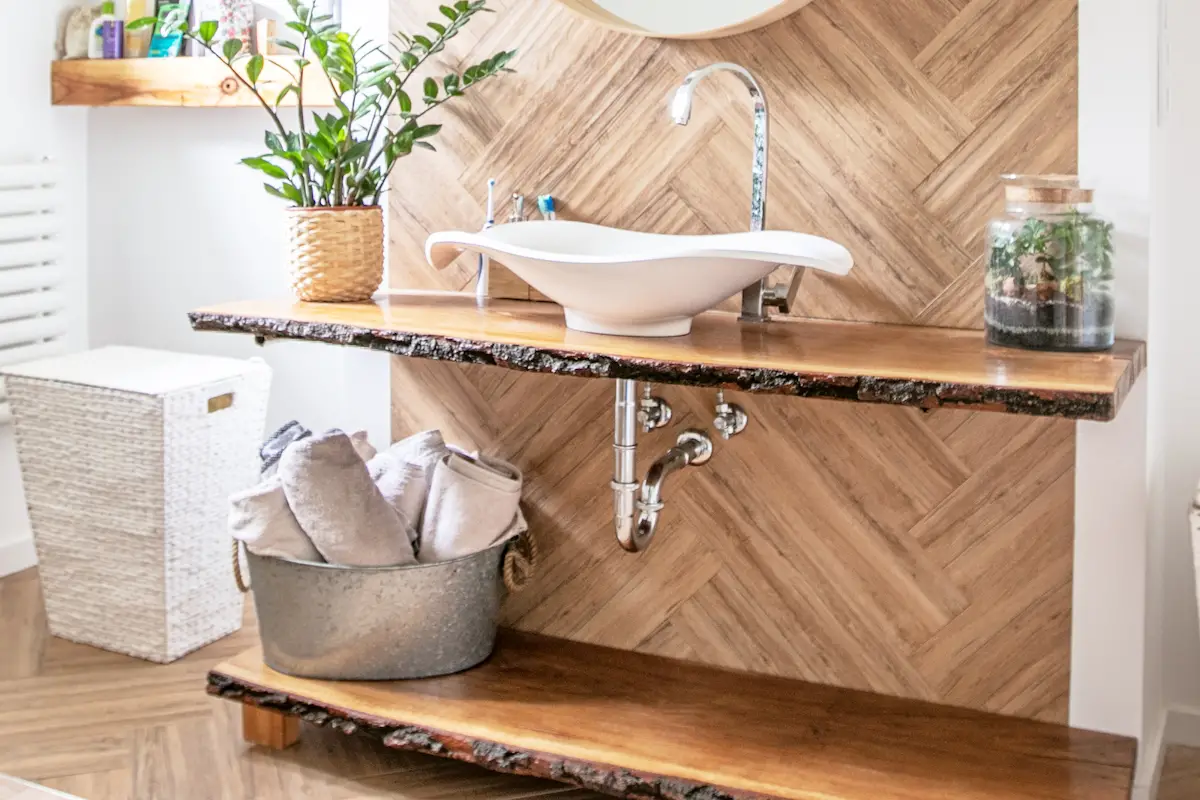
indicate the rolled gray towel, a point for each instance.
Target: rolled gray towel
{"x":473,"y":504}
{"x":402,"y":473}
{"x":261,"y":518}
{"x":366,"y":451}
{"x":330,"y":491}
{"x":404,"y":486}
{"x":423,"y":449}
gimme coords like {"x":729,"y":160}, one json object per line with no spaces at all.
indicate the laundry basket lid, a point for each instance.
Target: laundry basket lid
{"x":135,"y":369}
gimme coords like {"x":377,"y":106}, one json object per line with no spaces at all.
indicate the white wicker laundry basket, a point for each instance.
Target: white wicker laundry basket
{"x":128,"y":458}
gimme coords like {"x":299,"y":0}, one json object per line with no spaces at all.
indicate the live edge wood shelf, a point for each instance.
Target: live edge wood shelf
{"x":864,"y":362}
{"x":183,"y":81}
{"x":641,"y":726}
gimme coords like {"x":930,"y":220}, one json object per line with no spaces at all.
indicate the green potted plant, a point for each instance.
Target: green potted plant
{"x":333,"y":168}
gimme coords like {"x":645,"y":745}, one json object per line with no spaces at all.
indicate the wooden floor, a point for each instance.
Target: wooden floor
{"x":1180,"y":775}
{"x":107,"y":727}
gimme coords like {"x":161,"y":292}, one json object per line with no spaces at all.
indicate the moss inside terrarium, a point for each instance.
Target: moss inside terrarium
{"x":1049,"y":282}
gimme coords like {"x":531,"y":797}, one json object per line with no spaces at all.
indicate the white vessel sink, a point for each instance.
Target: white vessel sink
{"x":636,"y":284}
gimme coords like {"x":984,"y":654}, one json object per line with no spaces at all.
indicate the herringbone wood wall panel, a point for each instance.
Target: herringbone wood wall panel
{"x":926,"y":555}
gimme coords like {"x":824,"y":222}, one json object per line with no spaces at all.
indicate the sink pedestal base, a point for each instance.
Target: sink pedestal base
{"x":679,"y":326}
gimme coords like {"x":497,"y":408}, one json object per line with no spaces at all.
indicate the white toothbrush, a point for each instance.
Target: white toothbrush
{"x":482,"y":275}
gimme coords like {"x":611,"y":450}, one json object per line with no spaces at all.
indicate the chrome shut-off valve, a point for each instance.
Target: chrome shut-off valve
{"x":653,"y":412}
{"x":731,"y":418}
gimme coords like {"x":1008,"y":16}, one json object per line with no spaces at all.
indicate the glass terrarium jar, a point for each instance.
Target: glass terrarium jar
{"x":1049,"y":281}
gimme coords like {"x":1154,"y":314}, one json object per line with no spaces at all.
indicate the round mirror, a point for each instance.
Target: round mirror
{"x":685,"y":19}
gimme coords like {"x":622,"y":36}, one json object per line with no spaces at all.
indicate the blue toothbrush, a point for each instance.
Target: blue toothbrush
{"x":546,"y":206}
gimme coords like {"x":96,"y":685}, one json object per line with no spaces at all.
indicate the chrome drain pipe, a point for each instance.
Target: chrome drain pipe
{"x":692,"y":449}
{"x":625,"y":484}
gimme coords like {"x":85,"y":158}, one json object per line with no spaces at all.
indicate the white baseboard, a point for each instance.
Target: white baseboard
{"x":17,"y":556}
{"x":1150,"y":763}
{"x":1181,"y":725}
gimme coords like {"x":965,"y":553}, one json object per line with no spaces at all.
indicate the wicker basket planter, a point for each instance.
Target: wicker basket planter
{"x":335,"y":254}
{"x":128,"y":458}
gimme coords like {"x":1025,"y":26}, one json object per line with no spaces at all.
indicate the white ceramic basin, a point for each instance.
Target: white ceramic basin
{"x":636,"y":284}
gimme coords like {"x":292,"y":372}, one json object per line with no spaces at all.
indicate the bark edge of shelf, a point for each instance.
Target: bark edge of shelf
{"x":490,"y":755}
{"x":641,"y":726}
{"x":558,"y":359}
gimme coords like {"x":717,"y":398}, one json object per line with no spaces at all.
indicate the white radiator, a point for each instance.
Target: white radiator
{"x":33,"y":319}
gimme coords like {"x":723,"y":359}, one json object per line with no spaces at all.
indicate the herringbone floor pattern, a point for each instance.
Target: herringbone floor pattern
{"x":108,"y":727}
{"x":881,"y":548}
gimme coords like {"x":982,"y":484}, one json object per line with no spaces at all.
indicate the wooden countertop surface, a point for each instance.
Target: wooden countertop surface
{"x":637,"y":725}
{"x":865,"y":362}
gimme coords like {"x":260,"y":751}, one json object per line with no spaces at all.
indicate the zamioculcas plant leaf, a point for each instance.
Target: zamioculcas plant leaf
{"x":345,"y":158}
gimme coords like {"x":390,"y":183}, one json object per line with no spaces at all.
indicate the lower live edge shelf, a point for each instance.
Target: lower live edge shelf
{"x":863,"y":362}
{"x":641,"y":726}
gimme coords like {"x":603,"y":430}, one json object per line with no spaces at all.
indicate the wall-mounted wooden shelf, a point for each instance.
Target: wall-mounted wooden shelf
{"x":191,"y":82}
{"x":863,"y":362}
{"x":636,"y":725}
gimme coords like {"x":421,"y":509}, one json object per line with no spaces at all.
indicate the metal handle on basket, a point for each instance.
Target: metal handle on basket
{"x":520,"y":561}
{"x":238,"y":578}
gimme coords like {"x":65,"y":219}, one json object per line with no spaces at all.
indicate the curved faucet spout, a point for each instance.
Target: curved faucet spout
{"x":681,"y":114}
{"x":692,"y":448}
{"x":757,"y":297}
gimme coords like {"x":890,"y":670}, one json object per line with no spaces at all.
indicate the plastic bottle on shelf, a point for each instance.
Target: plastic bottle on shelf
{"x":137,"y":41}
{"x":108,"y":33}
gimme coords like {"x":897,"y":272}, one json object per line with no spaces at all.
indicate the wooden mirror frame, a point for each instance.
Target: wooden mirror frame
{"x":591,"y":10}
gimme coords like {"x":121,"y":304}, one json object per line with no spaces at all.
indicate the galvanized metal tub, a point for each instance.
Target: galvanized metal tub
{"x":377,"y":623}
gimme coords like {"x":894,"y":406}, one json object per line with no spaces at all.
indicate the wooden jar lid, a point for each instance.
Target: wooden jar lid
{"x":1045,"y":194}
{"x":1048,"y":189}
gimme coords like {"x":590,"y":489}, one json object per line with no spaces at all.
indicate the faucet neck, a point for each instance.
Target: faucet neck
{"x":758,"y":171}
{"x":681,"y":109}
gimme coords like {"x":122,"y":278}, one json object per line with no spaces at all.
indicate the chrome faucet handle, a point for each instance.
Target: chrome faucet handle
{"x":653,"y":412}
{"x":731,"y":418}
{"x":782,"y":296}
{"x":517,"y":214}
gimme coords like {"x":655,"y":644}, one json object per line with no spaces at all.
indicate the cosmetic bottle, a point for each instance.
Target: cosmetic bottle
{"x":112,"y":32}
{"x":96,"y":40}
{"x":137,"y":42}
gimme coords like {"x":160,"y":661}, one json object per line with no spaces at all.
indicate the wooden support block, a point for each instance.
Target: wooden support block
{"x":269,"y":728}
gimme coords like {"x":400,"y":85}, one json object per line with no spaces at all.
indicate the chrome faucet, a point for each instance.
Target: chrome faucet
{"x":758,"y":297}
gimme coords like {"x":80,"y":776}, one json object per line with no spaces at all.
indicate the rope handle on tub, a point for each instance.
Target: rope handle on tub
{"x":520,"y":561}
{"x":239,"y":579}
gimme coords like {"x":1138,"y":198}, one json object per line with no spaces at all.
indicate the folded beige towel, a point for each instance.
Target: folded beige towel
{"x":402,"y":474}
{"x":423,"y":449}
{"x":261,"y":518}
{"x":337,"y":504}
{"x":404,"y":487}
{"x":473,"y":504}
{"x":366,"y":451}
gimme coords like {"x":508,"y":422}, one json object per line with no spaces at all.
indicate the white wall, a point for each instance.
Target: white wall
{"x":1115,"y":679}
{"x":1135,"y":622}
{"x":1179,"y":349}
{"x":165,"y":220}
{"x":32,"y":130}
{"x":176,"y":223}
